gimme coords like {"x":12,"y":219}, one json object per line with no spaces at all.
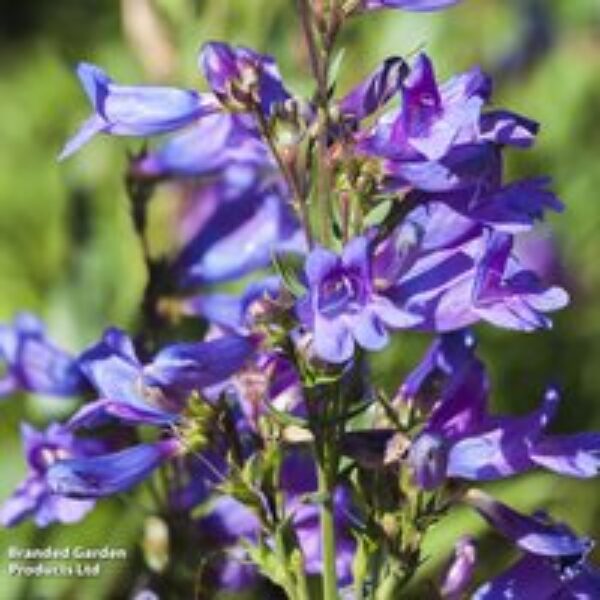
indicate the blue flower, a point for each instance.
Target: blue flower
{"x":440,"y":140}
{"x":224,"y":144}
{"x":462,"y":440}
{"x":453,"y":272}
{"x":240,"y":77}
{"x":554,"y":564}
{"x":460,"y":570}
{"x":412,"y":5}
{"x":342,"y":307}
{"x":32,"y":363}
{"x":544,"y":578}
{"x":34,"y":497}
{"x":534,"y":534}
{"x":240,"y":235}
{"x":374,"y":91}
{"x":109,"y":474}
{"x":155,"y":393}
{"x":134,"y":110}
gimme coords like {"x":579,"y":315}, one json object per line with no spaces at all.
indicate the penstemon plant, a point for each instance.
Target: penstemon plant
{"x":275,"y":461}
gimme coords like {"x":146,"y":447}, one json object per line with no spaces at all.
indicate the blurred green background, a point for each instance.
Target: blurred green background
{"x":68,"y":251}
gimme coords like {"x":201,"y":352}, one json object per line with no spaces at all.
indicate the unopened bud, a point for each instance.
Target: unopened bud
{"x":460,"y":569}
{"x":428,"y":460}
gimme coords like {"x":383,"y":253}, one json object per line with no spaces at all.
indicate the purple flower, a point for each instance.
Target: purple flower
{"x":536,"y":535}
{"x":460,"y":274}
{"x":33,"y":363}
{"x":240,"y":77}
{"x":432,"y":118}
{"x":439,"y":140}
{"x":224,"y":144}
{"x":109,"y":474}
{"x":446,"y":355}
{"x":554,"y":565}
{"x":240,"y":235}
{"x":342,"y":306}
{"x":460,"y":570}
{"x":545,"y":578}
{"x":412,"y":5}
{"x":157,"y":392}
{"x":232,"y":312}
{"x":511,"y":208}
{"x":453,"y":272}
{"x":461,"y":439}
{"x":34,"y":497}
{"x":375,"y":90}
{"x":134,"y":110}
{"x":298,"y":481}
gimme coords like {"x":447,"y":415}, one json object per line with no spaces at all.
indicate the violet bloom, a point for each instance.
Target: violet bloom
{"x":440,"y":140}
{"x":462,"y":440}
{"x":298,"y":481}
{"x":534,"y":534}
{"x":453,"y":272}
{"x":342,"y":307}
{"x":157,"y":392}
{"x":240,"y":77}
{"x":32,"y":363}
{"x":512,"y":208}
{"x":544,"y":578}
{"x":109,"y":474}
{"x":554,"y":565}
{"x":34,"y":497}
{"x":241,"y":234}
{"x":218,"y":144}
{"x":374,"y":91}
{"x":134,"y":110}
{"x":411,"y":5}
{"x":460,"y":570}
{"x":226,"y":522}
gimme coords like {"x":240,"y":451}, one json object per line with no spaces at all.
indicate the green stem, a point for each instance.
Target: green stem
{"x":319,"y":56}
{"x":326,"y":485}
{"x":299,"y":199}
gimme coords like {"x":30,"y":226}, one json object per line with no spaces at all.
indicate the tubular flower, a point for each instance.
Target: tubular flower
{"x":157,"y":392}
{"x":462,"y":440}
{"x":34,"y":497}
{"x":453,"y":272}
{"x":440,"y":140}
{"x":109,"y":474}
{"x":134,"y":110}
{"x":554,"y":565}
{"x":222,"y":143}
{"x":240,"y":77}
{"x":412,"y":5}
{"x":460,"y":570}
{"x":240,"y":235}
{"x":342,"y":306}
{"x":33,"y":363}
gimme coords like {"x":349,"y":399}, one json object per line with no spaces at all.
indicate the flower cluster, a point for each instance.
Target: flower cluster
{"x":350,"y":219}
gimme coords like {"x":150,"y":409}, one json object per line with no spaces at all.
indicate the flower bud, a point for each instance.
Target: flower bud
{"x":428,"y":459}
{"x":242,"y":78}
{"x":459,"y":571}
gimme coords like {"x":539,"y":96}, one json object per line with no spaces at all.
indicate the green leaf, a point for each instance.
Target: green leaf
{"x":377,"y":215}
{"x":266,"y":562}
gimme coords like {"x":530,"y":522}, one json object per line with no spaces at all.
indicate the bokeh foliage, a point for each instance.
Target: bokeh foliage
{"x":68,"y":251}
